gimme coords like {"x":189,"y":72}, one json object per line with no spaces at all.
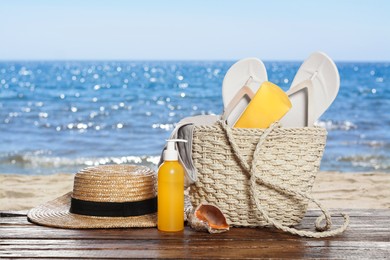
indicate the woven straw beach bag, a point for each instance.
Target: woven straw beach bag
{"x":260,"y":177}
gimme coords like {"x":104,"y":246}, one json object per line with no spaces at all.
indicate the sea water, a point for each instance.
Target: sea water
{"x":61,"y":116}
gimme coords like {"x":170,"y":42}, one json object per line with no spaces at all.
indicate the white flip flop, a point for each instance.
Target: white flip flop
{"x":241,"y":81}
{"x":313,"y":90}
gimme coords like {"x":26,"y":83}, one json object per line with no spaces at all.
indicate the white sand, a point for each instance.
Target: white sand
{"x":19,"y":192}
{"x":353,"y":190}
{"x":333,"y":189}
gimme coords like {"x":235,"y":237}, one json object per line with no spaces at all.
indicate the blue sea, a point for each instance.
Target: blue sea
{"x":61,"y":116}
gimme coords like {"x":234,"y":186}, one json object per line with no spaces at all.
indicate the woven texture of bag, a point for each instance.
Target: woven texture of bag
{"x":288,"y":158}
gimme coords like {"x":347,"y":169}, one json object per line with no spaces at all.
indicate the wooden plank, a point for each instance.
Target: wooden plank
{"x":13,"y":213}
{"x":19,"y":244}
{"x":307,"y":223}
{"x":362,"y":215}
{"x":367,"y":237}
{"x":294,"y":248}
{"x":309,"y":213}
{"x":371,"y":227}
{"x":152,"y":234}
{"x":215,"y":252}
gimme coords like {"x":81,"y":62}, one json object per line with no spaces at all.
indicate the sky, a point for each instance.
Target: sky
{"x":347,"y":30}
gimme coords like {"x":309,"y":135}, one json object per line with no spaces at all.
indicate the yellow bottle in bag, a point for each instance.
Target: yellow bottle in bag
{"x":269,"y":104}
{"x":170,"y":198}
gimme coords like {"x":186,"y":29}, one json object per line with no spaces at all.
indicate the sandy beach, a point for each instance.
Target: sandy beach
{"x":333,"y":189}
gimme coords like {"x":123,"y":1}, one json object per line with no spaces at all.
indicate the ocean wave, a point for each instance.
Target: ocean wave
{"x":369,"y":143}
{"x":41,"y":164}
{"x":334,"y":125}
{"x":368,"y":162}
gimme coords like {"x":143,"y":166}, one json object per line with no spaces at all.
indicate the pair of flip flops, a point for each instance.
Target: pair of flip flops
{"x":313,"y":90}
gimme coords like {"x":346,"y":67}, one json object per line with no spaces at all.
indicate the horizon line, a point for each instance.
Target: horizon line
{"x":178,"y":60}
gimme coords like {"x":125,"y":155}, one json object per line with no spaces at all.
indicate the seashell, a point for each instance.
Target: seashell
{"x":208,"y":217}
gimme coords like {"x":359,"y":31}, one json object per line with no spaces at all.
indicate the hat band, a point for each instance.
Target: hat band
{"x":113,"y":209}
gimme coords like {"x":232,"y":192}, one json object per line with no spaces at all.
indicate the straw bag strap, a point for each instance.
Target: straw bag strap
{"x":255,"y":178}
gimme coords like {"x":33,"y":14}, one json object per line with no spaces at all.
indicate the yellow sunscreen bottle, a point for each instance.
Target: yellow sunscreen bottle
{"x":170,"y":198}
{"x":269,"y":104}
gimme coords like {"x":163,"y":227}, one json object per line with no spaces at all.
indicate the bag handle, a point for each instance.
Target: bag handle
{"x":255,"y":179}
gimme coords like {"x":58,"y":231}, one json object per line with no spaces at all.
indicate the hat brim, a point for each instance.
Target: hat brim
{"x":56,"y":213}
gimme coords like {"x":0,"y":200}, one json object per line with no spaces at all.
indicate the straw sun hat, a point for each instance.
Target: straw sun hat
{"x":108,"y":196}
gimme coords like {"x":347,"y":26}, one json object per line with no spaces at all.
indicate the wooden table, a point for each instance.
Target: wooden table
{"x":368,"y":237}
